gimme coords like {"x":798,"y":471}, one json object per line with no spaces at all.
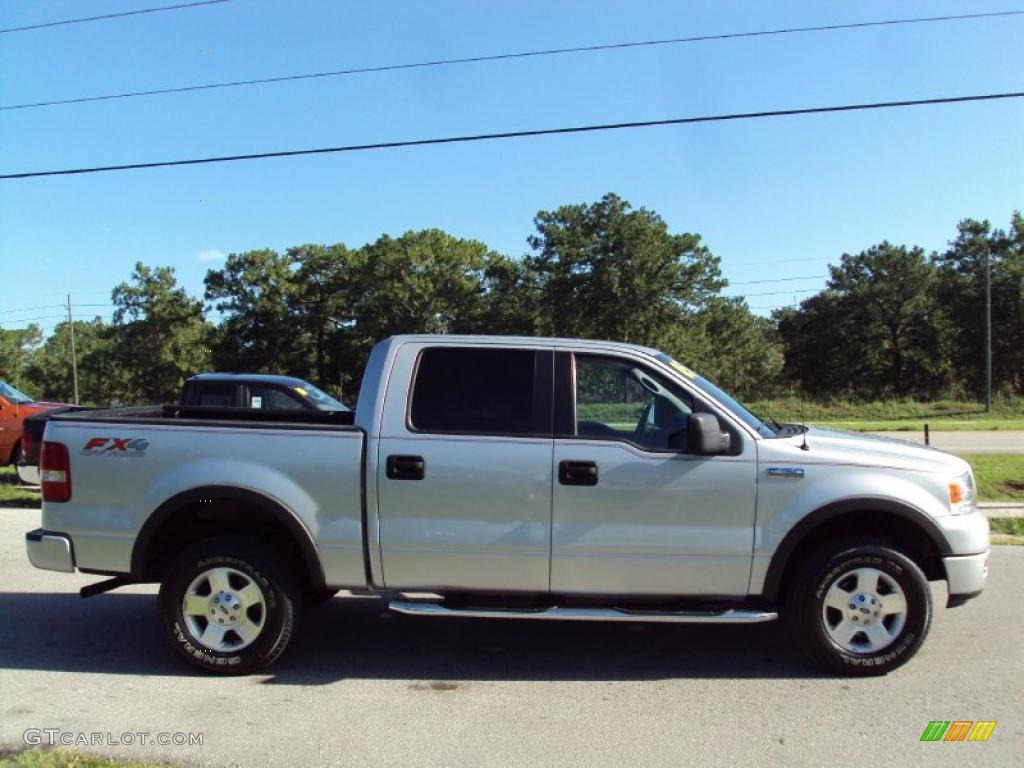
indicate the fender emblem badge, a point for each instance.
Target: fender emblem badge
{"x":794,"y":473}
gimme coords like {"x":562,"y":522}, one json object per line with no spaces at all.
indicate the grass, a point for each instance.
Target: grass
{"x":1007,"y":530}
{"x":1000,"y":476}
{"x":13,"y":494}
{"x":62,"y":758}
{"x":889,"y":415}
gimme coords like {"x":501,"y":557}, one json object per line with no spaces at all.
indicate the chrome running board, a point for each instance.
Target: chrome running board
{"x":730,"y":616}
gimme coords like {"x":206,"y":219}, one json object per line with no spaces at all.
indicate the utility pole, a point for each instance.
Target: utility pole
{"x":988,"y":330}
{"x":74,"y":360}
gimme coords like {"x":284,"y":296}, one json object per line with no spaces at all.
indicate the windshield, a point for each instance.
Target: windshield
{"x":321,"y":399}
{"x":13,"y":396}
{"x":720,"y":396}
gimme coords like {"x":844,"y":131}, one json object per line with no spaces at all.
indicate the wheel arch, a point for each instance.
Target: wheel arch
{"x":891,"y":520}
{"x":223,"y":509}
{"x":13,"y":453}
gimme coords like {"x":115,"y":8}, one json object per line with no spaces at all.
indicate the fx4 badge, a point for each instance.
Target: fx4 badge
{"x":790,"y":473}
{"x":115,"y":446}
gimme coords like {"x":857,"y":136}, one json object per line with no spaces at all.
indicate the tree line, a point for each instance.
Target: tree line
{"x":892,"y":320}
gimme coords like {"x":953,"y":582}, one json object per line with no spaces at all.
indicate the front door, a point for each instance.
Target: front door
{"x":633,"y":512}
{"x":464,"y":474}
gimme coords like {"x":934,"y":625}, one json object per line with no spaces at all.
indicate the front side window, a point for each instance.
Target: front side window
{"x":482,"y":391}
{"x":272,"y":399}
{"x":321,"y":399}
{"x":618,"y":400}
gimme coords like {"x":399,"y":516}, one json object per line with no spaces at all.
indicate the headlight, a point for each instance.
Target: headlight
{"x":962,"y":495}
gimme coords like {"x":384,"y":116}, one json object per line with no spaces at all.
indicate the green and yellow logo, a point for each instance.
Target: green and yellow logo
{"x":958,"y":730}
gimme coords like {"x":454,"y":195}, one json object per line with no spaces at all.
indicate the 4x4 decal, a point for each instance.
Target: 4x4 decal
{"x":115,"y":446}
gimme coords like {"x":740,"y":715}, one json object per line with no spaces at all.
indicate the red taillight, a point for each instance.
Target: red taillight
{"x":55,"y":472}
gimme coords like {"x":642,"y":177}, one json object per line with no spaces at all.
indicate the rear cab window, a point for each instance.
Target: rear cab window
{"x":221,"y":394}
{"x":484,"y":391}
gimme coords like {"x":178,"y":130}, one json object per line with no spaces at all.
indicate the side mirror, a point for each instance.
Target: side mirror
{"x":704,"y":435}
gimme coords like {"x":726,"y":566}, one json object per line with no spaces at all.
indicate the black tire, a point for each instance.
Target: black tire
{"x":250,"y":563}
{"x":837,"y":565}
{"x":16,"y":454}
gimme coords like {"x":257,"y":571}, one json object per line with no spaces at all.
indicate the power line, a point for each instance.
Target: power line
{"x":29,"y":319}
{"x":29,"y":309}
{"x":48,"y":306}
{"x":520,"y":134}
{"x":111,"y":16}
{"x":774,"y":261}
{"x":51,"y":317}
{"x":771,"y":293}
{"x":505,"y":57}
{"x":779,"y":279}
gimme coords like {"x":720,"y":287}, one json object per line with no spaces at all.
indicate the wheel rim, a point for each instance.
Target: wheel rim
{"x":864,"y":610}
{"x":224,"y":609}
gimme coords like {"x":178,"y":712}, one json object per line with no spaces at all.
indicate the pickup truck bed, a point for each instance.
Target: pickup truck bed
{"x":222,"y":448}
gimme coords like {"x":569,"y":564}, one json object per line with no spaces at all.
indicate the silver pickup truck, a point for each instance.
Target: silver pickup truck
{"x":514,"y":478}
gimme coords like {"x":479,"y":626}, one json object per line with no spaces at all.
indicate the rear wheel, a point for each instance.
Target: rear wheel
{"x":228,"y":605}
{"x":860,"y":609}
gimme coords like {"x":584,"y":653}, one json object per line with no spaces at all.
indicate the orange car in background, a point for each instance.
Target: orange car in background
{"x":14,"y":407}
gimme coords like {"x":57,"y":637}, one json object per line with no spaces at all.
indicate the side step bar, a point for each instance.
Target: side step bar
{"x":730,"y":616}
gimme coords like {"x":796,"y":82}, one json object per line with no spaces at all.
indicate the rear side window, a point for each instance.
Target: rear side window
{"x":219,"y":394}
{"x":484,"y":391}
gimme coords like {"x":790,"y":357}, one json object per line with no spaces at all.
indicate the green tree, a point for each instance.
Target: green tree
{"x":960,"y":293}
{"x":101,"y":379}
{"x":885,"y":292}
{"x":814,"y":337}
{"x":258,"y":294}
{"x":160,"y":335}
{"x":873,"y":332}
{"x":316,"y":301}
{"x":17,"y":349}
{"x":607,"y":271}
{"x":422,"y":282}
{"x":730,"y":345}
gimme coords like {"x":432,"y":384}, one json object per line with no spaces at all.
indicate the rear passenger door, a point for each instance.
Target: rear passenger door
{"x":464,"y":469}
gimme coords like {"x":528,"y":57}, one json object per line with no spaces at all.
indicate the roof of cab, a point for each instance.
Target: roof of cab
{"x":268,"y":378}
{"x":526,"y":341}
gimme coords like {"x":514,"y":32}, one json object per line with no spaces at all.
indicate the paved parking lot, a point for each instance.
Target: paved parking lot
{"x":360,"y":686}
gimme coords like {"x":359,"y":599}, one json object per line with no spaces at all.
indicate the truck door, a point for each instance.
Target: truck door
{"x":633,"y":512}
{"x":464,"y":468}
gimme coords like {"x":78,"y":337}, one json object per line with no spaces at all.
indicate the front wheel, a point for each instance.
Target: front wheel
{"x":228,"y":605}
{"x":860,"y":609}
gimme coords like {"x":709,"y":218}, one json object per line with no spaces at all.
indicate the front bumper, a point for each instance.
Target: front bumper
{"x":50,"y":551}
{"x":966,"y":572}
{"x":28,"y":473}
{"x":966,"y":576}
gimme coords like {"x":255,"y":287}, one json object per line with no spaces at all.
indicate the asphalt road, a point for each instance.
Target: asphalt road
{"x":360,"y":686}
{"x":992,"y":441}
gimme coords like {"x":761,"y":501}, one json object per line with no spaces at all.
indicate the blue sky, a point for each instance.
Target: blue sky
{"x":773,"y":198}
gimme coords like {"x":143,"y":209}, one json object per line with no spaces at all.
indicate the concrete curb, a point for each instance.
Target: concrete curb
{"x":1001,"y":509}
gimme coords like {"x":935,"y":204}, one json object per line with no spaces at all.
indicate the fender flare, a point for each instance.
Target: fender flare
{"x":809,"y":523}
{"x":272,"y":507}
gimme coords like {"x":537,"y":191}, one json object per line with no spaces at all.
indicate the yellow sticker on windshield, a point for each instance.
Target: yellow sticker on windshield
{"x":683,"y":370}
{"x":301,"y":391}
